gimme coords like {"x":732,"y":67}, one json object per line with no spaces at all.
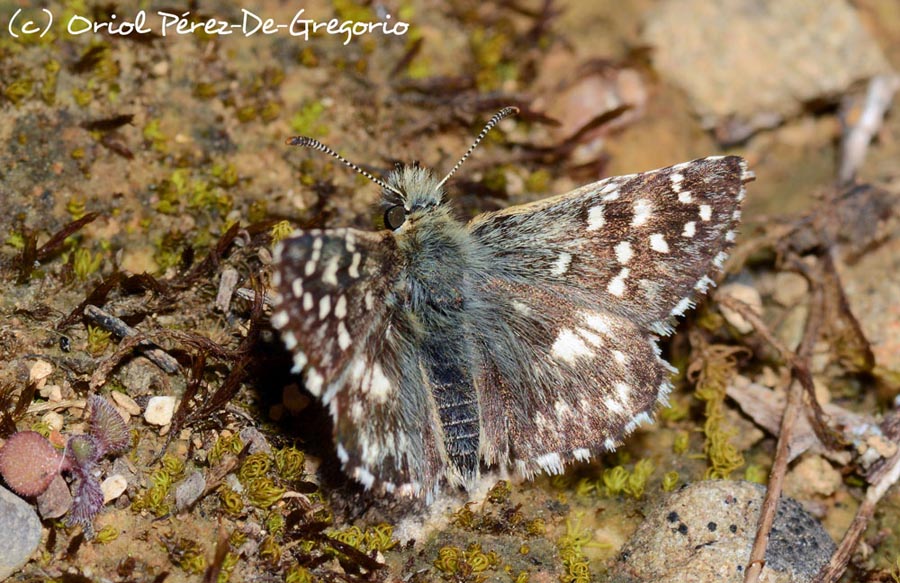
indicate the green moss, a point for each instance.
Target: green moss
{"x":107,"y":534}
{"x":637,"y":481}
{"x":188,"y":555}
{"x":670,"y":481}
{"x":681,"y":442}
{"x":289,"y":463}
{"x":270,"y":550}
{"x":255,"y":466}
{"x":280,"y":231}
{"x":226,"y":444}
{"x":231,"y":501}
{"x":85,"y":263}
{"x":298,"y":574}
{"x":19,"y":90}
{"x":48,"y":87}
{"x":15,"y":240}
{"x":97,"y":340}
{"x":614,"y":480}
{"x":263,"y":492}
{"x":756,"y":473}
{"x":715,"y":370}
{"x":306,"y":122}
{"x":571,"y":551}
{"x":75,"y":206}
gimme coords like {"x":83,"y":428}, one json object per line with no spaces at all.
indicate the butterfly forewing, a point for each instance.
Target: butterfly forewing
{"x":582,"y":283}
{"x":336,"y":311}
{"x":642,"y":246}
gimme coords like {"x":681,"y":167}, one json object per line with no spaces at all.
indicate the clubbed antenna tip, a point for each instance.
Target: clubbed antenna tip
{"x":498,"y":117}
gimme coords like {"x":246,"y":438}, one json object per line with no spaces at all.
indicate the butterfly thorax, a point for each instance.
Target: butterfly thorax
{"x":436,"y":252}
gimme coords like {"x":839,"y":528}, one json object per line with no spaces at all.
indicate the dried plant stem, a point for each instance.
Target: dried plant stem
{"x":802,"y":377}
{"x":835,"y":568}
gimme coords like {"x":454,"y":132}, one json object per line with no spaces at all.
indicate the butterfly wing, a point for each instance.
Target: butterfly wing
{"x":580,"y":286}
{"x":334,"y":305}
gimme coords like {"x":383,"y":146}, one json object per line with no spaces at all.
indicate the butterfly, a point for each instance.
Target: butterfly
{"x":526,"y":337}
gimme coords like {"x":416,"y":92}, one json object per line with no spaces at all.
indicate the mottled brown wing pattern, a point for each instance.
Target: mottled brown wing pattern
{"x":582,"y":284}
{"x":334,"y":307}
{"x":642,"y":246}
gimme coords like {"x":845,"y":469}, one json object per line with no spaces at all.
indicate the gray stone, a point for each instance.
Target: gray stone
{"x":749,"y":64}
{"x":189,"y":490}
{"x":704,"y":533}
{"x":20,"y":532}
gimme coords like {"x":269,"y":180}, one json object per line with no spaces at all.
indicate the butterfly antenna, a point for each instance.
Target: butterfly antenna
{"x":314,"y":144}
{"x":498,"y":117}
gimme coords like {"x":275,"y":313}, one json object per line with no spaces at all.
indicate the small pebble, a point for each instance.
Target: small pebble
{"x":191,"y":488}
{"x":53,"y":420}
{"x":744,"y":293}
{"x":56,"y":500}
{"x":127,"y":404}
{"x":20,"y":532}
{"x":52,"y":393}
{"x":113,"y":487}
{"x":39,"y":372}
{"x":159,"y":410}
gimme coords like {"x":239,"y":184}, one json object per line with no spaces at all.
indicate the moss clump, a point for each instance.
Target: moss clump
{"x":97,"y":340}
{"x":107,"y":534}
{"x":571,"y":550}
{"x":289,"y":463}
{"x":280,"y":231}
{"x":307,"y":122}
{"x":232,"y":503}
{"x":713,"y":369}
{"x":670,"y":481}
{"x":85,"y":263}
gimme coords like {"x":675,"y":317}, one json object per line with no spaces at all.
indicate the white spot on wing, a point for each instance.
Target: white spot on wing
{"x":624,"y":392}
{"x":309,"y":268}
{"x":562,"y":264}
{"x":685,"y":197}
{"x":598,"y":322}
{"x":705,"y":212}
{"x":690,"y":229}
{"x":364,"y":477}
{"x":329,"y":275}
{"x":370,"y":300}
{"x":297,"y":287}
{"x":658,"y":243}
{"x":290,"y":341}
{"x":550,"y":463}
{"x":299,"y":362}
{"x":314,"y":382}
{"x":340,"y":307}
{"x":343,"y":336}
{"x":596,"y":220}
{"x":676,"y":178}
{"x":353,"y":270}
{"x":569,"y":346}
{"x":719,"y":260}
{"x":279,"y":319}
{"x":342,"y":454}
{"x":624,"y":252}
{"x":581,"y":454}
{"x":324,"y":306}
{"x":619,"y":356}
{"x":617,"y":286}
{"x":307,"y":301}
{"x":643,"y":210}
{"x":682,"y":307}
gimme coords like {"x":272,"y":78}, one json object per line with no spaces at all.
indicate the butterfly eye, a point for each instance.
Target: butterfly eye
{"x":394,"y":217}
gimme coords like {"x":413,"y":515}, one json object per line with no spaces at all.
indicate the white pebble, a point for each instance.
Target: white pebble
{"x":39,"y":372}
{"x":126,"y":403}
{"x":159,"y":410}
{"x":744,"y":293}
{"x":113,"y":487}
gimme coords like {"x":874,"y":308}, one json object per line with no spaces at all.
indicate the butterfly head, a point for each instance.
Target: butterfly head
{"x":409,"y":192}
{"x":412,"y":192}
